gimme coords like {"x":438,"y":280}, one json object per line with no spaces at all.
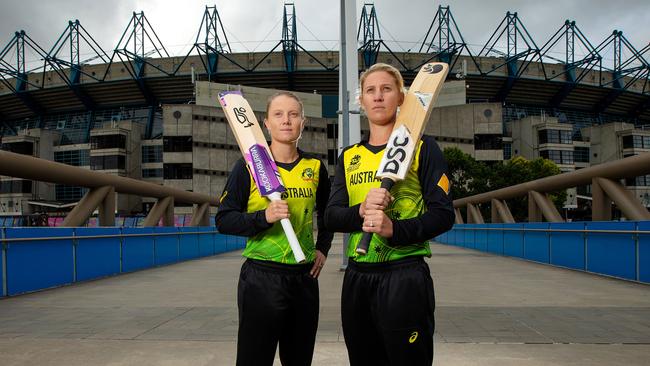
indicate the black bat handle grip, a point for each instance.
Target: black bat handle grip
{"x":364,"y":243}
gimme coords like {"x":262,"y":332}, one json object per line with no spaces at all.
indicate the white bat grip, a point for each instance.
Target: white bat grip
{"x":288,"y":231}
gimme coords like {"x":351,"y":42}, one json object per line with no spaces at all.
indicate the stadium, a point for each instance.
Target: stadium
{"x":134,"y":112}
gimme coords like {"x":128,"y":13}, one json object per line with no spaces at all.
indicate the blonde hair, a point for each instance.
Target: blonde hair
{"x":285,"y":94}
{"x":391,"y":70}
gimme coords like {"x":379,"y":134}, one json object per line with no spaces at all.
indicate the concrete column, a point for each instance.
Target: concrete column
{"x":201,"y":216}
{"x":474,"y":215}
{"x":97,"y":197}
{"x":164,"y":208}
{"x":459,"y":216}
{"x":624,"y":200}
{"x":545,"y":206}
{"x":601,"y":204}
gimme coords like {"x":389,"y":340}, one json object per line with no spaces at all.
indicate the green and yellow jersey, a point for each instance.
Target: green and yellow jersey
{"x":241,"y":210}
{"x":421,"y":210}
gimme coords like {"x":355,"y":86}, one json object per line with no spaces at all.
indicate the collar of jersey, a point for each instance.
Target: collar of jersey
{"x":372,"y":148}
{"x":289,"y":166}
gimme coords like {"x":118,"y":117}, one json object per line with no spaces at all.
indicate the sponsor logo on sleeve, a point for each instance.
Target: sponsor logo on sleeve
{"x":443,"y":183}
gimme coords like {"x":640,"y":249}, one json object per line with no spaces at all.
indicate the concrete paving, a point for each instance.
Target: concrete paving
{"x":490,"y":311}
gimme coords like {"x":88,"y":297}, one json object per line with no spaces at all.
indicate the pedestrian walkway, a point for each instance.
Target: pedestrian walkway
{"x":491,"y":310}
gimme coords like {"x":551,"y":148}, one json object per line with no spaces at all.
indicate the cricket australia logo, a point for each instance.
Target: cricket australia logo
{"x":432,"y":69}
{"x":240,"y":114}
{"x":307,"y":175}
{"x":354,"y":163}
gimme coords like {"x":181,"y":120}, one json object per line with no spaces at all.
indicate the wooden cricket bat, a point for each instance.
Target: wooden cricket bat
{"x":409,"y":126}
{"x":257,"y":154}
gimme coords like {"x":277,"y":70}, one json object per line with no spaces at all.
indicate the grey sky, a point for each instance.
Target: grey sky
{"x":249,"y":22}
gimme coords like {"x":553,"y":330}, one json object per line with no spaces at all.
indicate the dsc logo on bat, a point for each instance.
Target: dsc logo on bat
{"x":398,"y":151}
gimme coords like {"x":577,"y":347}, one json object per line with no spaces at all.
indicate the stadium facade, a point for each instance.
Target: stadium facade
{"x":135,"y":113}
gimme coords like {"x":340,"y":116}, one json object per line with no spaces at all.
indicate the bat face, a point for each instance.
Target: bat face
{"x":252,"y":143}
{"x":411,"y":120}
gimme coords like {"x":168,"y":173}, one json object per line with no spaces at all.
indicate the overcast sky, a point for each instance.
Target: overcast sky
{"x":255,"y":25}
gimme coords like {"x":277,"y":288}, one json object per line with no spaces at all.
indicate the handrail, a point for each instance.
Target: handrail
{"x":629,"y":167}
{"x":104,"y":236}
{"x":555,"y":230}
{"x":606,"y":188}
{"x":29,"y":167}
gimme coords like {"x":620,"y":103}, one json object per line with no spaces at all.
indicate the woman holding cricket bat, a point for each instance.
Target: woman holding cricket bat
{"x":277,"y":297}
{"x":387,"y":302}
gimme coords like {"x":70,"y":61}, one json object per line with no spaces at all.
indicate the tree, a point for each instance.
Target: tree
{"x":470,"y":177}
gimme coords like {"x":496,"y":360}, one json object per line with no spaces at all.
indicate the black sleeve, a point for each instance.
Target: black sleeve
{"x":232,"y":217}
{"x":324,"y":239}
{"x":439,"y":215}
{"x":339,"y":217}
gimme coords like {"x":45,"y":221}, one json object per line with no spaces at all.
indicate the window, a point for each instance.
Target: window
{"x":558,"y":156}
{"x":581,"y":154}
{"x":108,"y":162}
{"x":152,"y":154}
{"x":73,"y":157}
{"x":177,"y":143}
{"x":332,"y":131}
{"x":565,"y":137}
{"x":177,"y":171}
{"x":642,"y":181}
{"x":636,"y":142}
{"x":332,"y":156}
{"x":16,"y":186}
{"x":69,"y":193}
{"x":555,"y":137}
{"x":108,"y":142}
{"x":507,"y":151}
{"x":487,"y":142}
{"x":23,"y":147}
{"x":152,"y":173}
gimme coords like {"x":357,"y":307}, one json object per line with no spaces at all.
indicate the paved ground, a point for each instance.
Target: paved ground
{"x":491,"y":311}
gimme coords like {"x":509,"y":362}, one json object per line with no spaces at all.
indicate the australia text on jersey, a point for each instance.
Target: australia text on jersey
{"x":298,"y":193}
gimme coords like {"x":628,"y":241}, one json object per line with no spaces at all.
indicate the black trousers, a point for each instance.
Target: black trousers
{"x":388,"y":313}
{"x":277,"y":304}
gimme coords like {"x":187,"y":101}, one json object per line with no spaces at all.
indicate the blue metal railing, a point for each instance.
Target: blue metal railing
{"x":38,"y":258}
{"x":616,"y":249}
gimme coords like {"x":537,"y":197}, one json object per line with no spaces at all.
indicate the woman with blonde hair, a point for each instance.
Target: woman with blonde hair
{"x":278,"y":298}
{"x":387,"y":303}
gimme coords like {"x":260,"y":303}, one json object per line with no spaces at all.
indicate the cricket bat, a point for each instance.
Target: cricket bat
{"x":409,"y":126}
{"x":257,"y":154}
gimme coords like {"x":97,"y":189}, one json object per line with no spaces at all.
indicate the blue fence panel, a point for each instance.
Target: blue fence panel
{"x":450,"y":237}
{"x":97,"y":257}
{"x":38,"y":264}
{"x":236,"y":242}
{"x":536,"y":243}
{"x":611,"y":254}
{"x":137,"y":251}
{"x":481,"y":237}
{"x":220,"y":243}
{"x":644,"y":252}
{"x":206,"y":241}
{"x":165,"y":246}
{"x":469,"y":237}
{"x":513,"y":240}
{"x":568,"y":249}
{"x":189,"y":243}
{"x":495,"y":239}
